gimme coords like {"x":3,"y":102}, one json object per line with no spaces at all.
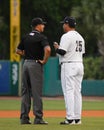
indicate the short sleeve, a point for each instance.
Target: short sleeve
{"x":44,"y":41}
{"x":21,"y":44}
{"x":64,"y":42}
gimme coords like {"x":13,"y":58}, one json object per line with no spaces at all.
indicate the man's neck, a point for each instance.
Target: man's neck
{"x":70,"y":29}
{"x":36,"y":29}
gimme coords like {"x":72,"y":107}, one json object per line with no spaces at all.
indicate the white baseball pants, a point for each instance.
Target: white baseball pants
{"x":71,"y":79}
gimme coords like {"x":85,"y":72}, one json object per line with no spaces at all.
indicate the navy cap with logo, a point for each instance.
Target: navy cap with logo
{"x":69,"y":20}
{"x":37,"y":21}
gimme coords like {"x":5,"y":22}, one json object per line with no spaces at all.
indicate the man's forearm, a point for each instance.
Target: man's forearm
{"x":47,"y":52}
{"x":60,"y":51}
{"x":20,"y":52}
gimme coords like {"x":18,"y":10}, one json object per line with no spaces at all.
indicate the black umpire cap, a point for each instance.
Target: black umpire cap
{"x":37,"y":21}
{"x":69,"y":20}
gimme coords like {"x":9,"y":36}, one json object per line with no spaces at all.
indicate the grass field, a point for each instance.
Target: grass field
{"x":88,"y":123}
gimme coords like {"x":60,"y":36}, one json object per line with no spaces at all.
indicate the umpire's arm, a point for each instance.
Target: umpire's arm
{"x":47,"y":52}
{"x":20,"y":52}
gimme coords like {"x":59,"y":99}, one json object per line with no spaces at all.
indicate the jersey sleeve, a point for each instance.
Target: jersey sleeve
{"x":44,"y":41}
{"x":64,"y":43}
{"x":21,"y":44}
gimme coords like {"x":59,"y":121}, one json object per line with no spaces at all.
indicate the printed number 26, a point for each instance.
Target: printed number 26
{"x":79,"y":46}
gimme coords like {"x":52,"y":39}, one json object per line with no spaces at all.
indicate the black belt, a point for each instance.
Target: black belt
{"x":71,"y":62}
{"x":31,"y":60}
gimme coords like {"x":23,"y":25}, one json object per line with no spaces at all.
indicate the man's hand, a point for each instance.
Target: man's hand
{"x":42,"y":62}
{"x":56,"y":46}
{"x":20,"y":52}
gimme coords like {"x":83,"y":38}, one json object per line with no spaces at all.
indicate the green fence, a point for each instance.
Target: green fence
{"x":93,"y":87}
{"x":52,"y":78}
{"x":10,"y":80}
{"x":52,"y":83}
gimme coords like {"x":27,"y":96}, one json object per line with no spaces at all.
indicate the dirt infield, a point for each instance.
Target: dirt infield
{"x":49,"y":113}
{"x":54,"y":113}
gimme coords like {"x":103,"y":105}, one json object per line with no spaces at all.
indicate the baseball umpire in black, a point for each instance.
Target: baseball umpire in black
{"x":36,"y":50}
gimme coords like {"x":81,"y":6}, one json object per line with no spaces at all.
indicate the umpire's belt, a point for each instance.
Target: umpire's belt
{"x":30,"y":60}
{"x":71,"y":62}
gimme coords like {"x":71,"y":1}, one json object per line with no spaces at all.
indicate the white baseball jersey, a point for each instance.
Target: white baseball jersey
{"x":74,"y":45}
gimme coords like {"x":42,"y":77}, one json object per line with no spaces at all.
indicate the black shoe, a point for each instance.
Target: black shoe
{"x":40,"y":121}
{"x":78,"y":121}
{"x":67,"y":122}
{"x":25,"y":121}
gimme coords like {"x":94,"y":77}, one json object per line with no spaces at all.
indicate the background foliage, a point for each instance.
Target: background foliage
{"x":93,"y":68}
{"x":90,"y":23}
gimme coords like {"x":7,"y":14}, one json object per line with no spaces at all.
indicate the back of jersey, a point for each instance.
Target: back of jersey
{"x":73,"y":43}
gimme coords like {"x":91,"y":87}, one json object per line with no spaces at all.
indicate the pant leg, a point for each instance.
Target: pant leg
{"x":36,"y":79}
{"x":71,"y":84}
{"x":63,"y":83}
{"x":25,"y":94}
{"x":78,"y":98}
{"x":70,"y":97}
{"x":68,"y":90}
{"x":77,"y":93}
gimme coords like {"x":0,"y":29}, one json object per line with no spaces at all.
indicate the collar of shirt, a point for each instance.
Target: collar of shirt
{"x":35,"y":31}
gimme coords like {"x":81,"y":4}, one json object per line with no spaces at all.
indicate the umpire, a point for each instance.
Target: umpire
{"x":36,"y":51}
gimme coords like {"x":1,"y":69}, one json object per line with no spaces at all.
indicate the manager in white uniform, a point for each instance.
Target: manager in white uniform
{"x":70,"y":51}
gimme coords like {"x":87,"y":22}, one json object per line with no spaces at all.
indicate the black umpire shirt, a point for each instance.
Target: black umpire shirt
{"x":33,"y":44}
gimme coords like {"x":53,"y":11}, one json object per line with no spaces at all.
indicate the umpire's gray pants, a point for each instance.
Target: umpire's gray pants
{"x":32,"y":82}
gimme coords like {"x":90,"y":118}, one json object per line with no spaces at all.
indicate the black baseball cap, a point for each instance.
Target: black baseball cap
{"x":69,"y":20}
{"x":37,"y":21}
